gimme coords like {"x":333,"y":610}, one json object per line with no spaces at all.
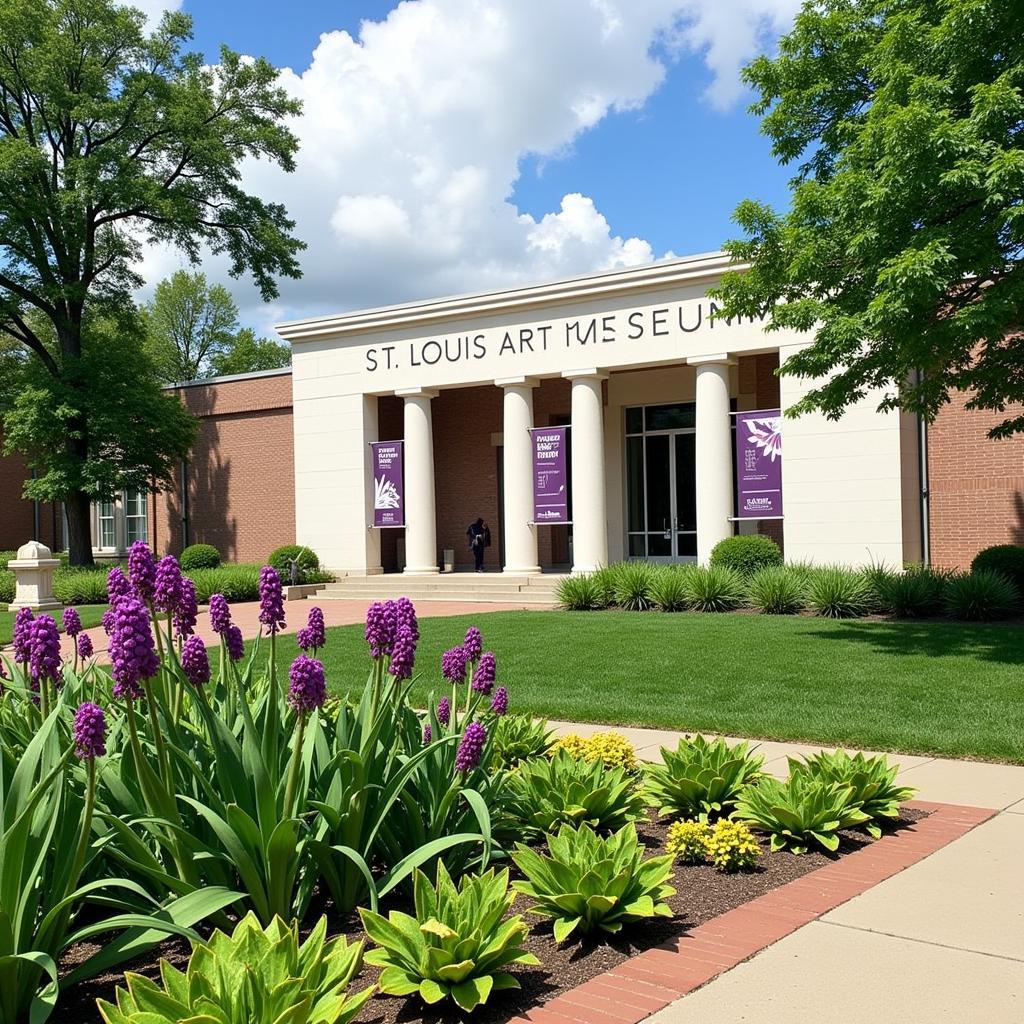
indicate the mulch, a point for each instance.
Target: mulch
{"x":702,"y":893}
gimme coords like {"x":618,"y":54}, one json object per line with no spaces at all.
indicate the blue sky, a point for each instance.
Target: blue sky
{"x":664,"y":163}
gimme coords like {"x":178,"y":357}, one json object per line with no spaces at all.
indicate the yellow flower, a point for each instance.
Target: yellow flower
{"x":688,"y":841}
{"x":731,"y":846}
{"x":611,"y":748}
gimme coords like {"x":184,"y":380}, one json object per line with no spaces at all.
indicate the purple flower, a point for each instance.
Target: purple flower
{"x":314,"y":636}
{"x":444,"y":710}
{"x":84,"y":642}
{"x":308,"y":689}
{"x":142,"y":570}
{"x":220,"y":614}
{"x":271,"y":599}
{"x":405,"y":615}
{"x":117,"y":585}
{"x":90,"y":731}
{"x":186,"y":611}
{"x":486,"y":672}
{"x":453,"y":665}
{"x":236,"y":645}
{"x":471,"y":747}
{"x":381,"y":625}
{"x":473,"y":643}
{"x":427,"y":733}
{"x":71,"y":622}
{"x":499,"y":702}
{"x":107,"y":621}
{"x":167,"y":584}
{"x":403,"y":653}
{"x":23,"y":635}
{"x":132,"y":653}
{"x":194,"y":661}
{"x":44,"y":656}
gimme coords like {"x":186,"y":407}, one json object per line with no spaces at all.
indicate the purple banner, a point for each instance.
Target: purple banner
{"x":388,"y":489}
{"x":759,"y":463}
{"x":550,"y":474}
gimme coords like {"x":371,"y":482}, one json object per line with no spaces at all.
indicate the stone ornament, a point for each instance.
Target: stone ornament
{"x":33,"y":578}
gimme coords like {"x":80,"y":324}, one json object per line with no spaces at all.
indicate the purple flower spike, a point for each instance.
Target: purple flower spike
{"x":453,"y":665}
{"x":220,"y":614}
{"x":405,"y":615}
{"x":444,"y":710}
{"x":403,"y":653}
{"x":44,"y":656}
{"x":314,"y":635}
{"x":427,"y":733}
{"x":23,"y":635}
{"x":71,"y":622}
{"x":90,"y":731}
{"x":84,"y":642}
{"x":108,"y":621}
{"x":235,"y":642}
{"x":485,"y":674}
{"x":473,"y":644}
{"x":471,"y":747}
{"x":167,"y":584}
{"x":308,"y":689}
{"x":271,"y":600}
{"x":195,"y":662}
{"x":117,"y":585}
{"x":187,"y":609}
{"x":132,"y":653}
{"x":499,"y":702}
{"x":142,"y":570}
{"x":381,"y":624}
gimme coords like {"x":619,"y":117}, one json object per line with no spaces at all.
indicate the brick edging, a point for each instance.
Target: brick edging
{"x":649,"y":981}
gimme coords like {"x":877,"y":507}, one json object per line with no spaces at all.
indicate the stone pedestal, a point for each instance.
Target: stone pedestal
{"x":33,"y":578}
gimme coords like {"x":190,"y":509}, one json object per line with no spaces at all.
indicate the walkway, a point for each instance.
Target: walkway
{"x":941,"y":941}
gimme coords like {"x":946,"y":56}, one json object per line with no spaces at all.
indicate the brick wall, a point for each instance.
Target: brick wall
{"x":17,"y":515}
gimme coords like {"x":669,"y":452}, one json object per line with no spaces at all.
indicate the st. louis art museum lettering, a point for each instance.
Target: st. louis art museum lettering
{"x":608,"y":328}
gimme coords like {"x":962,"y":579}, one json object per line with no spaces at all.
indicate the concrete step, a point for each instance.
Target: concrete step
{"x":504,"y":590}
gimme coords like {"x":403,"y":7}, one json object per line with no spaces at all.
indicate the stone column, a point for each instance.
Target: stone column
{"x":714,"y":453}
{"x":589,"y":496}
{"x":517,"y":525}
{"x":420,"y":509}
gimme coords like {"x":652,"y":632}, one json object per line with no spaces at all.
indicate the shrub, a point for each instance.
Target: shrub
{"x":6,"y":586}
{"x":590,"y":883}
{"x":700,"y":779}
{"x":872,"y":779}
{"x":199,"y":556}
{"x":778,"y":590}
{"x":457,"y":944}
{"x":668,"y":588}
{"x":235,"y":582}
{"x":1005,"y":559}
{"x":915,"y":593}
{"x":281,"y":559}
{"x":800,"y":811}
{"x":518,"y":738}
{"x":688,"y":841}
{"x":713,"y":588}
{"x":5,"y":557}
{"x":611,"y":748}
{"x":746,"y":553}
{"x":581,"y":593}
{"x":253,"y":974}
{"x":839,"y":593}
{"x":544,"y":793}
{"x":80,"y":585}
{"x":979,"y":596}
{"x":632,"y":586}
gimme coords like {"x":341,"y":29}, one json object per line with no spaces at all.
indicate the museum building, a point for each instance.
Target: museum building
{"x":650,"y":396}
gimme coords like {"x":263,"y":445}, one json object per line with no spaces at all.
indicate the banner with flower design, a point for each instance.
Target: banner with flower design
{"x":759,"y":464}
{"x":388,"y":490}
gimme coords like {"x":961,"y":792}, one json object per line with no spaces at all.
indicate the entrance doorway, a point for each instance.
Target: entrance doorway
{"x":661,"y":482}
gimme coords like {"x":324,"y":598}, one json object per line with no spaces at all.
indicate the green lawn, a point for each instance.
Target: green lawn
{"x":90,"y":615}
{"x":937,"y":687}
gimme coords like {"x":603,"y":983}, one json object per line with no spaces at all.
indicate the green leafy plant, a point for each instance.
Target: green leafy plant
{"x":587,"y":882}
{"x":839,"y":593}
{"x":731,"y":846}
{"x":199,"y":556}
{"x":800,"y":811}
{"x":917,"y":592}
{"x":746,"y":553}
{"x":518,"y":738}
{"x":778,"y":590}
{"x":713,"y":588}
{"x":980,"y":596}
{"x":1005,"y":559}
{"x":281,"y":559}
{"x":235,"y":582}
{"x":687,"y":841}
{"x":6,"y":586}
{"x":871,"y":779}
{"x":581,"y":593}
{"x":668,"y":587}
{"x":456,"y":946}
{"x":80,"y":586}
{"x":254,"y":974}
{"x":631,"y":585}
{"x":700,"y":778}
{"x":544,"y":793}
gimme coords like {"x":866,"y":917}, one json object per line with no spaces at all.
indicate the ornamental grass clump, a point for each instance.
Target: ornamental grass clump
{"x":583,"y":593}
{"x":587,"y":883}
{"x":254,"y":974}
{"x":631,"y":586}
{"x":838,"y":593}
{"x":980,"y":596}
{"x":668,"y":587}
{"x":713,"y":588}
{"x":777,"y":590}
{"x":458,"y":944}
{"x":700,"y":778}
{"x":916,"y":593}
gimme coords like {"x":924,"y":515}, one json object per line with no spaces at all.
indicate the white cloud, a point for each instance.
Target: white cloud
{"x":413,"y":132}
{"x":154,"y":9}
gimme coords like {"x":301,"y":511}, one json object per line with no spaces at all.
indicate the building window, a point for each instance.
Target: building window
{"x":136,"y":525}
{"x":107,"y":535}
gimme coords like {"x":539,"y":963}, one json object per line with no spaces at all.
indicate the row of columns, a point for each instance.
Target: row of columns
{"x":589,"y":488}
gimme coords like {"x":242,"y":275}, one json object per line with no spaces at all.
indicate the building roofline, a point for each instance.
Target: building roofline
{"x":680,"y":270}
{"x":228,"y":378}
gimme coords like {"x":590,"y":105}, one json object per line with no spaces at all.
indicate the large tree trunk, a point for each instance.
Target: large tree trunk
{"x":79,"y":512}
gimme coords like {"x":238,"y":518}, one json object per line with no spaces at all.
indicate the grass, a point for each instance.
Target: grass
{"x":90,"y":614}
{"x":947,"y":688}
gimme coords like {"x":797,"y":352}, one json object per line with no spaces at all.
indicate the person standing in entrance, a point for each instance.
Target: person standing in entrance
{"x":479,"y":535}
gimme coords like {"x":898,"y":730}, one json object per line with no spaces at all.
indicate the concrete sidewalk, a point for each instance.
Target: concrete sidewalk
{"x":941,"y":941}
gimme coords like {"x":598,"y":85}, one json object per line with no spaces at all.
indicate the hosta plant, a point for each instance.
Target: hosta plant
{"x":546,"y":793}
{"x":872,"y":779}
{"x":800,"y":812}
{"x":589,"y":883}
{"x":519,"y":737}
{"x":701,"y":778}
{"x":458,"y":944}
{"x":254,"y":974}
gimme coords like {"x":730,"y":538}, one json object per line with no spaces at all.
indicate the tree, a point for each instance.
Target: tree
{"x":246,"y":354}
{"x":111,"y":137}
{"x":901,"y":253}
{"x":188,"y":324}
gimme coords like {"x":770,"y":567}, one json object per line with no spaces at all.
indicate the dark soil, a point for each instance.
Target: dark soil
{"x":702,"y":893}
